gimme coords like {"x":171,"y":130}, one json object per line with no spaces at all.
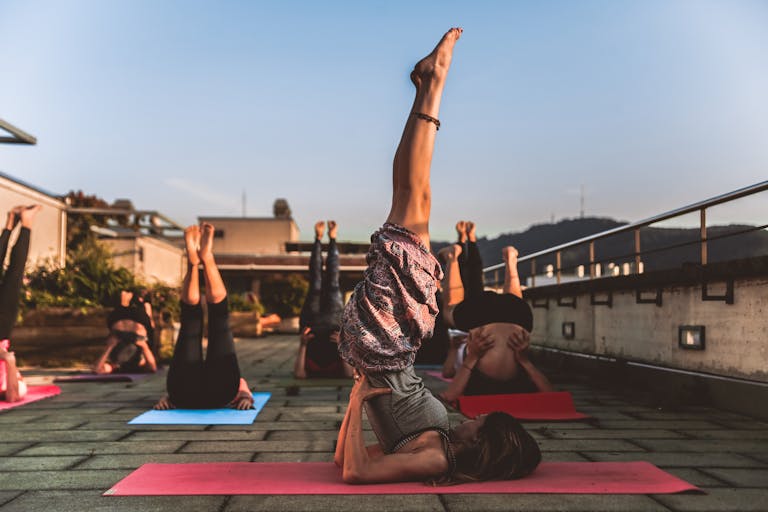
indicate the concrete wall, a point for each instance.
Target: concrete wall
{"x":252,"y":235}
{"x":48,"y":240}
{"x":736,"y":335}
{"x":151,"y":259}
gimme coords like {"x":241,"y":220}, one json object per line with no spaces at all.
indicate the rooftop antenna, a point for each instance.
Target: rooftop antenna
{"x":243,"y":203}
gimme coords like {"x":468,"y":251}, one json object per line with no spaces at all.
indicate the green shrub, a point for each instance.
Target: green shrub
{"x":242,"y":302}
{"x":284,"y":296}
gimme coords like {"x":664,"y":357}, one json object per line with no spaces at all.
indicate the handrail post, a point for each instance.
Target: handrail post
{"x":637,"y":251}
{"x":533,"y":272}
{"x":592,"y":259}
{"x":703,"y":235}
{"x":557,"y":260}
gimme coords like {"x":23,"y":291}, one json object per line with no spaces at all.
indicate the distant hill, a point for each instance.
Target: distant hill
{"x":667,"y":244}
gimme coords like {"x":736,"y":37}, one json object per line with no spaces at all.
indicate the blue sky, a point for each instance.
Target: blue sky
{"x":183,"y":105}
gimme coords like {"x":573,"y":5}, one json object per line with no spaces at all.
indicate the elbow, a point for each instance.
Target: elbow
{"x":352,"y":477}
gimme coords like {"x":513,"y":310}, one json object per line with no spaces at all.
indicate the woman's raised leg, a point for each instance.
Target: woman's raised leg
{"x":10,"y":288}
{"x":331,"y":301}
{"x":411,"y":197}
{"x":311,"y":308}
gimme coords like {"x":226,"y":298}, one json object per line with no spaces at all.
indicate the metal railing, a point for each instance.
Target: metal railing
{"x":635,"y":227}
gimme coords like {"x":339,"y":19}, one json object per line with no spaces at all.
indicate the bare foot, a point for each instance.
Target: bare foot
{"x":332,"y":229}
{"x":471,"y":231}
{"x":319,"y":229}
{"x":449,"y":253}
{"x":510,"y":254}
{"x":436,"y":64}
{"x":461,"y":230}
{"x":28,"y":214}
{"x":13,"y":217}
{"x":206,"y":242}
{"x":192,"y":243}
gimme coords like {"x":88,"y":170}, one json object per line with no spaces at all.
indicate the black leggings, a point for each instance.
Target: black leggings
{"x":210,"y":384}
{"x":471,"y":271}
{"x":323,"y":305}
{"x":10,"y":287}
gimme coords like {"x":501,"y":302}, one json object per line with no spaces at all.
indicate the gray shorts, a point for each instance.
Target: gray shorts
{"x":408,"y":409}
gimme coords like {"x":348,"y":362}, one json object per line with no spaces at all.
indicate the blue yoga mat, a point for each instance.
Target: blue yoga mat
{"x":204,"y":416}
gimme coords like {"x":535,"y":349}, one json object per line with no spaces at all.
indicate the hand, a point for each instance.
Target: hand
{"x":519,"y":340}
{"x":362,"y":389}
{"x":243,"y":401}
{"x":306,"y":336}
{"x":478,"y":343}
{"x":164,"y":404}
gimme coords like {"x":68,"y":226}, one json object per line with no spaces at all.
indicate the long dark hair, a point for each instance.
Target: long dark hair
{"x":504,"y":450}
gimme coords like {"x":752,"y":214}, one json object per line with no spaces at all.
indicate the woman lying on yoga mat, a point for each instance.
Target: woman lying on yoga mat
{"x":12,"y":385}
{"x":127,"y":346}
{"x":392,"y":310}
{"x":214,"y":383}
{"x":321,"y":315}
{"x":499,"y":325}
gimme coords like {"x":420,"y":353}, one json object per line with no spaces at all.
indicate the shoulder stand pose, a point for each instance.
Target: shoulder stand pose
{"x":128,"y":347}
{"x":12,"y":385}
{"x":499,"y":325}
{"x":194,"y":383}
{"x":318,"y":354}
{"x":391,"y":311}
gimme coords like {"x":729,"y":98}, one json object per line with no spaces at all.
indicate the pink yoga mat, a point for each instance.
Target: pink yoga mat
{"x":34,"y":393}
{"x":552,"y":406}
{"x":229,"y":478}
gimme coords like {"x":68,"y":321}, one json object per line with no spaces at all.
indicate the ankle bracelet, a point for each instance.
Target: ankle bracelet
{"x":428,"y":118}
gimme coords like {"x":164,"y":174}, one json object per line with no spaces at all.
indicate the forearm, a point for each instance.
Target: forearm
{"x":99,"y":366}
{"x":355,"y":457}
{"x":12,"y":382}
{"x":539,"y":379}
{"x":299,"y":366}
{"x":460,"y":379}
{"x":449,"y":365}
{"x":338,"y":457}
{"x":149,"y":357}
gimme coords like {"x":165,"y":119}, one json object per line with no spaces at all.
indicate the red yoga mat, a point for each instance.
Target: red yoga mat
{"x":34,"y":393}
{"x":230,"y":478}
{"x":550,"y":406}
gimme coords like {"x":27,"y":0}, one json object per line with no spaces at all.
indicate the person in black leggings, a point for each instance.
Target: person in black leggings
{"x":320,"y":317}
{"x":495,"y":360}
{"x":194,"y":383}
{"x":12,"y":386}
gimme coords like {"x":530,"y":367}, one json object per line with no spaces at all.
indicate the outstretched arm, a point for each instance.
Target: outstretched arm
{"x":521,"y":354}
{"x":149,"y":357}
{"x":300,"y":365}
{"x":478,"y":343}
{"x":101,"y":365}
{"x":13,"y":387}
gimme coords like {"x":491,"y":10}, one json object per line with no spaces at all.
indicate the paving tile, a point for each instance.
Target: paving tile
{"x":587,"y":445}
{"x":11,"y":448}
{"x":123,"y":425}
{"x":284,"y":425}
{"x":727,"y":434}
{"x":718,"y":500}
{"x":662,"y":424}
{"x":91,"y":448}
{"x":92,"y":501}
{"x":208,"y":435}
{"x":614,"y":434}
{"x":134,"y":461}
{"x":293,"y":457}
{"x":38,"y":436}
{"x":360,"y":503}
{"x":41,"y":480}
{"x":744,"y":425}
{"x":15,"y":416}
{"x":258,"y":446}
{"x":38,"y":463}
{"x":48,"y":425}
{"x":695,"y":477}
{"x":6,"y":496}
{"x":550,"y":503}
{"x":711,"y":445}
{"x":679,"y":459}
{"x":742,"y":477}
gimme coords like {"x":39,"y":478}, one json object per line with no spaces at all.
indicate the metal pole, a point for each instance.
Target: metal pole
{"x":637,"y":251}
{"x":533,"y":272}
{"x":592,"y":259}
{"x":557,"y":256}
{"x":703,"y":235}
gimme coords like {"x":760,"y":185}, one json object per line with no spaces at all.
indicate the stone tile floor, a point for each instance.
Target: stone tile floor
{"x":60,"y":454}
